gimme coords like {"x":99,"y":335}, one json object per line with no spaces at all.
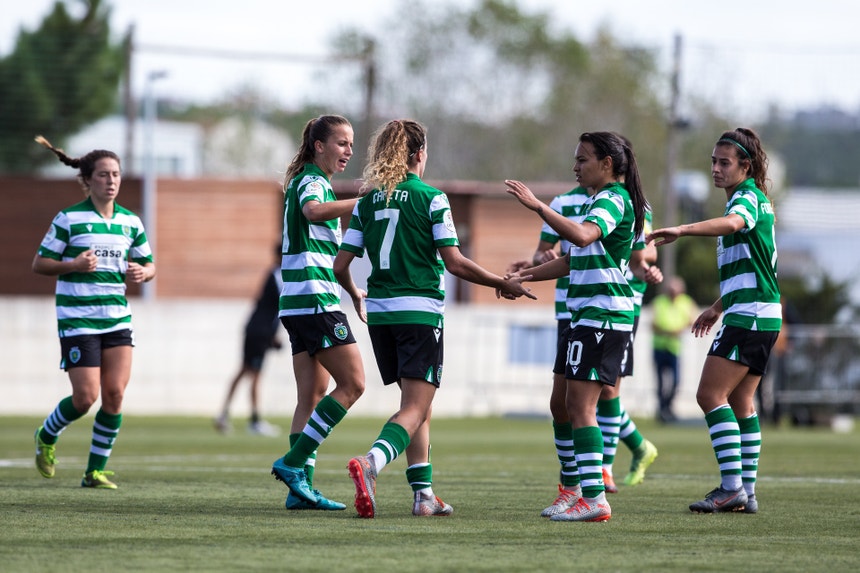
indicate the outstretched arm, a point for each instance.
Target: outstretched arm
{"x":580,"y":234}
{"x":466,"y":269}
{"x":718,"y":227}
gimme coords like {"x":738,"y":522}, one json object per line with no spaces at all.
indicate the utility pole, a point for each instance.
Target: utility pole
{"x":369,"y":88}
{"x":128,"y":101}
{"x":668,"y":261}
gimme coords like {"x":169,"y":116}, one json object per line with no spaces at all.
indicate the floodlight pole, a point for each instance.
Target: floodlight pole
{"x":667,"y":259}
{"x":150,"y":174}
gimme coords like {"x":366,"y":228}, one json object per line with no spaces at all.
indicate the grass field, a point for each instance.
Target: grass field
{"x":193,"y":500}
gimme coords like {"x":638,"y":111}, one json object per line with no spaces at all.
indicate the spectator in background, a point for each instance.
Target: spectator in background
{"x":673,"y":313}
{"x":261,"y":334}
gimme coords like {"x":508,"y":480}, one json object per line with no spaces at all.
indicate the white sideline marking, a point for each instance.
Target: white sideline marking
{"x":186,"y":464}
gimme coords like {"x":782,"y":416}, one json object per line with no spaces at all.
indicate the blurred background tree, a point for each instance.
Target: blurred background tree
{"x":58,"y":79}
{"x":503,"y":91}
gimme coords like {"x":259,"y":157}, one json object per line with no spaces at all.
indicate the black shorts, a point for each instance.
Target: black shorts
{"x":254,"y":350}
{"x":595,"y":354}
{"x":86,"y":350}
{"x":407,"y":351}
{"x":314,"y":332}
{"x":627,"y":360}
{"x":749,"y":347}
{"x":563,"y":329}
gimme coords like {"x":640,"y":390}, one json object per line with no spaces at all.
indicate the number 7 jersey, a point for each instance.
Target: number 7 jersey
{"x":401,"y":235}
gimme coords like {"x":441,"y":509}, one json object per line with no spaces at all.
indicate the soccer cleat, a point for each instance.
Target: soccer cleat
{"x":720,"y":499}
{"x":98,"y":479}
{"x":609,"y":482}
{"x":45,"y":460}
{"x":430,"y":506}
{"x":643,"y":457}
{"x":751,"y":505}
{"x":296,"y":479}
{"x":324,"y":504}
{"x":587,"y":509}
{"x":363,"y":474}
{"x":566,"y":499}
{"x":263,"y":428}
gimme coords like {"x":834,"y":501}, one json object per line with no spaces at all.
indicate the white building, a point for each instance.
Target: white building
{"x":818,"y":233}
{"x":232,"y":148}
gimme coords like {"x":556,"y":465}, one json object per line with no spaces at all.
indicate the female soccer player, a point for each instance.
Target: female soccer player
{"x":752,"y":316}
{"x":599,"y":298}
{"x":322,"y":343}
{"x":408,"y":231}
{"x":93,"y":248}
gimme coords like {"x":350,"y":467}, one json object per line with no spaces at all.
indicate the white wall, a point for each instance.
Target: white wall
{"x":188,"y":350}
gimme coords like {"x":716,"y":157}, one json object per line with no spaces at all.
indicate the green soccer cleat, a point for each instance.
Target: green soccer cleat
{"x":45,"y":460}
{"x":296,"y":479}
{"x":643,"y":457}
{"x":324,"y":504}
{"x":98,"y":479}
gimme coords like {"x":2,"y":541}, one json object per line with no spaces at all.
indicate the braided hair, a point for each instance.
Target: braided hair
{"x":86,"y":164}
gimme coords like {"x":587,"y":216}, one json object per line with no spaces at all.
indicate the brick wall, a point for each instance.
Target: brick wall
{"x":214,"y":238}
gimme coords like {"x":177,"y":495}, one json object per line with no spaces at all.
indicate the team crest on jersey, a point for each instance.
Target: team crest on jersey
{"x":126,"y":230}
{"x":74,"y":354}
{"x":341,"y":331}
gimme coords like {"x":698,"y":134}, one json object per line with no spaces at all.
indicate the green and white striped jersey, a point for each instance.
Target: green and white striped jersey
{"x":638,"y":285}
{"x":94,"y":303}
{"x":599,"y":295}
{"x":572,"y":206}
{"x":308,"y":248}
{"x":402,"y":236}
{"x":747,"y":263}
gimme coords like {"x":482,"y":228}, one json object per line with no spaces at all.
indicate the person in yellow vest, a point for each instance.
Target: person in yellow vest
{"x":673,"y":312}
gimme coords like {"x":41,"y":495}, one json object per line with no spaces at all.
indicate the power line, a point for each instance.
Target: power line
{"x":236,"y":55}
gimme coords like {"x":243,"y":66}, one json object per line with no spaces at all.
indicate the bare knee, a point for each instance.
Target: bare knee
{"x":83,"y":403}
{"x":707,"y":400}
{"x":112,"y":400}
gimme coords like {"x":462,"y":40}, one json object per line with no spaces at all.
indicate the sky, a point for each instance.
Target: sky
{"x":740,"y":56}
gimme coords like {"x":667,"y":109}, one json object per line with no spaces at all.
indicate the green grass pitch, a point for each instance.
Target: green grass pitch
{"x":190,"y":499}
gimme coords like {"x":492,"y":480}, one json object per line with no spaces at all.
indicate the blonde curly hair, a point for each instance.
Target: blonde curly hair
{"x":391,"y":153}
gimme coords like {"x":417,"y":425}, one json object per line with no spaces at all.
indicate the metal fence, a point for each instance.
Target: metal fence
{"x":819,"y":373}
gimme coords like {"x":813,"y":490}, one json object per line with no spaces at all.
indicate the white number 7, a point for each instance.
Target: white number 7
{"x":393,"y":215}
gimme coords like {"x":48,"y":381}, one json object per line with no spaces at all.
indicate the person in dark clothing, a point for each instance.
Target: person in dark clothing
{"x":261,"y":334}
